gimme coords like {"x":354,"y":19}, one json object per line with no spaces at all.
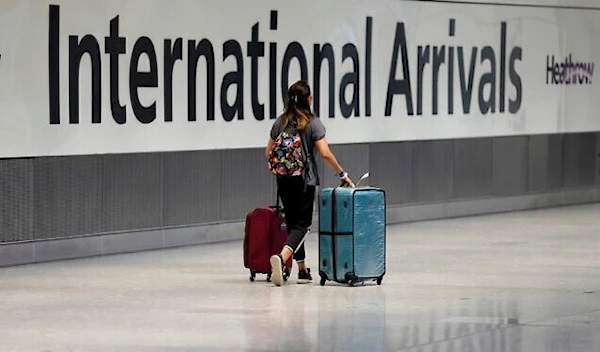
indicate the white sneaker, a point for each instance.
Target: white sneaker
{"x":276,"y":270}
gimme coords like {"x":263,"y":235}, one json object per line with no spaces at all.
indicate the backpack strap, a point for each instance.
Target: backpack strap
{"x":306,"y":156}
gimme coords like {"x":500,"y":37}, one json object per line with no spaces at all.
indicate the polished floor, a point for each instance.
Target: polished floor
{"x":526,"y":281}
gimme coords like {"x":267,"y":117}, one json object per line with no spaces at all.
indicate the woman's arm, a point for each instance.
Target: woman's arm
{"x":327,"y":156}
{"x":269,"y":147}
{"x":330,"y":160}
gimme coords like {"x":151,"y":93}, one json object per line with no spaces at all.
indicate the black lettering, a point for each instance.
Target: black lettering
{"x":515,"y":79}
{"x":293,"y":51}
{"x":451,"y":33}
{"x":321,"y":54}
{"x":273,"y":24}
{"x":489,"y":104}
{"x":423,"y":60}
{"x":137,"y":79}
{"x":173,"y":52}
{"x":233,"y":48}
{"x":273,"y":70}
{"x":466,"y":86}
{"x":255,"y":50}
{"x":451,"y":80}
{"x":567,"y":73}
{"x":399,"y":86}
{"x":550,"y":70}
{"x":582,"y":66}
{"x":88,"y":45}
{"x":54,"y":63}
{"x":114,"y":45}
{"x":368,"y":50}
{"x":350,"y":78}
{"x":272,"y":81}
{"x":570,"y":69}
{"x":502,"y":66}
{"x":439,"y":58}
{"x":205,"y":49}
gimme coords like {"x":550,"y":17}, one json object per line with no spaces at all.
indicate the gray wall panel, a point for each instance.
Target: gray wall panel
{"x":132,"y":191}
{"x":246,"y":182}
{"x":79,"y":195}
{"x":390,"y":167}
{"x":545,"y":163}
{"x":538,"y":176}
{"x":510,"y":165}
{"x":67,"y":196}
{"x":472,"y":168}
{"x":192,"y":187}
{"x":324,"y":173}
{"x":353,"y":158}
{"x":16,"y":200}
{"x":579,"y":159}
{"x":432,"y":170}
{"x":555,"y":161}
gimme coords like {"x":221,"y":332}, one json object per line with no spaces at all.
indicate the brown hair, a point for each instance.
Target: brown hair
{"x":297,"y":109}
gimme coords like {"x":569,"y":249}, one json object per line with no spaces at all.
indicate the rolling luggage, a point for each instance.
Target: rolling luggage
{"x":352,"y":234}
{"x":265,"y":234}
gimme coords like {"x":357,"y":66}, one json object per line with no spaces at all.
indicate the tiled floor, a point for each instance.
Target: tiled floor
{"x":513,"y":282}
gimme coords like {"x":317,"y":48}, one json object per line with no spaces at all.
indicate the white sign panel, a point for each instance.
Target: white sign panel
{"x":113,"y":76}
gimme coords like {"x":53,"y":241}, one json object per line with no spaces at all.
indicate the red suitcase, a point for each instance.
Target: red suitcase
{"x":264,"y":236}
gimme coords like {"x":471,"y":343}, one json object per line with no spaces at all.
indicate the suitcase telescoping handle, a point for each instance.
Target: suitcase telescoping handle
{"x":363,"y":177}
{"x":277,"y":201}
{"x":278,"y":204}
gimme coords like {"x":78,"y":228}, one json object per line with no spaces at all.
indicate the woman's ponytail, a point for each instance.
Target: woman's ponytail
{"x":297,"y":110}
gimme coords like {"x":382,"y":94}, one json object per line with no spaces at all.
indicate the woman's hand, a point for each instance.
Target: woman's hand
{"x":346,"y":181}
{"x":269,"y":148}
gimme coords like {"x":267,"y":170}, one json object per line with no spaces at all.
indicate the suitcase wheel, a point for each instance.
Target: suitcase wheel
{"x":269,"y":277}
{"x":323,"y":281}
{"x":351,"y":279}
{"x":252,"y":276}
{"x":379,"y":279}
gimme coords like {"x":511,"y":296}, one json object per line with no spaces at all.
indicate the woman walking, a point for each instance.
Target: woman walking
{"x":290,"y":151}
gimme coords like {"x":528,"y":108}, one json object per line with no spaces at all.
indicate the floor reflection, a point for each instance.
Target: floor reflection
{"x":352,"y":319}
{"x":470,"y":326}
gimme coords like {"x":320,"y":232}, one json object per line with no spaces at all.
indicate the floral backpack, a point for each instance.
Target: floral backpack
{"x":287,"y":156}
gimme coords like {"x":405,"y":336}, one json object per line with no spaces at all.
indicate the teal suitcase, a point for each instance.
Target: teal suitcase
{"x":352,"y":234}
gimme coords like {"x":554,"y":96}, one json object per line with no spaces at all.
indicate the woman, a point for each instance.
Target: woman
{"x":297,"y":189}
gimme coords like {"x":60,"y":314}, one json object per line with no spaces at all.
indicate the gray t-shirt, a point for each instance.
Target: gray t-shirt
{"x":315,"y":131}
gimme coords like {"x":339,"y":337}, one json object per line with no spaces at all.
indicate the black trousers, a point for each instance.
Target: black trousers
{"x":298,"y":204}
